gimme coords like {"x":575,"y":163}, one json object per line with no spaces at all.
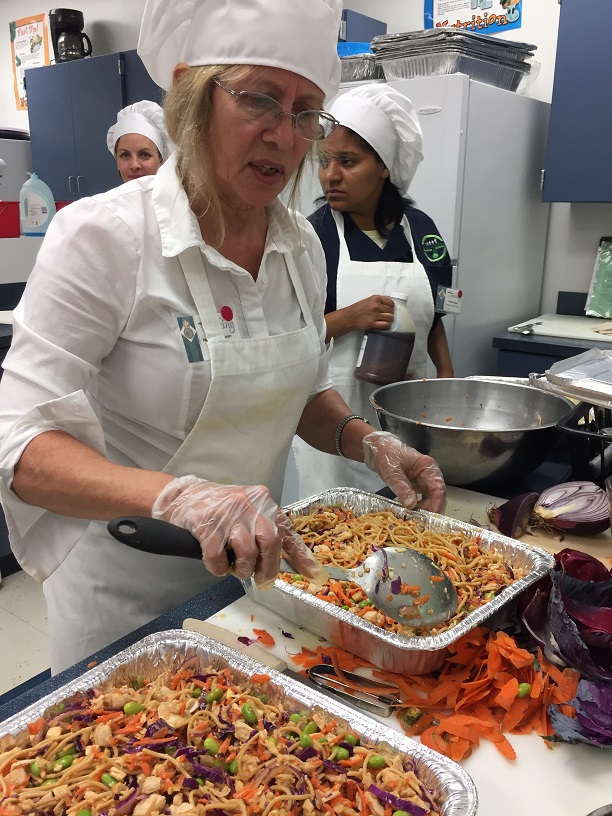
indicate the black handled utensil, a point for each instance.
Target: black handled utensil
{"x":155,"y":536}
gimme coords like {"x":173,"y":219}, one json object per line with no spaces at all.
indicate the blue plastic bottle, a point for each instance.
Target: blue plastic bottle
{"x":36,"y":206}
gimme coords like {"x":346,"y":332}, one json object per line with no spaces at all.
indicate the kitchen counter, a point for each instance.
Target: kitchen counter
{"x":519,"y":355}
{"x":570,"y":779}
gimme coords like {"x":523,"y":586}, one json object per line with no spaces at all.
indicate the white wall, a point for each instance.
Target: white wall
{"x":574,"y":230}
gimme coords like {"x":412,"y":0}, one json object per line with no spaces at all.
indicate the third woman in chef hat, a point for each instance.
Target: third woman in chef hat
{"x":138,"y":140}
{"x":107,"y":408}
{"x":376,"y":243}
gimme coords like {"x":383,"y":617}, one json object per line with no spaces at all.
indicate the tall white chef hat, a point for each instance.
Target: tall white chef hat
{"x":146,"y":118}
{"x":297,"y":35}
{"x":388,"y":122}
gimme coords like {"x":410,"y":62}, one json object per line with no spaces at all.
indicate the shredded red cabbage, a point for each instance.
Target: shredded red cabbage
{"x":396,"y":802}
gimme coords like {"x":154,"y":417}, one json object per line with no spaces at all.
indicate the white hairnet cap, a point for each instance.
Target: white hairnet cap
{"x":146,"y":118}
{"x":297,"y":35}
{"x":388,"y":122}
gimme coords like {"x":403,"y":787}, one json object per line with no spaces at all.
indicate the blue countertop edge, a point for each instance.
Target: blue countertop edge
{"x":200,"y":606}
{"x":543,"y":344}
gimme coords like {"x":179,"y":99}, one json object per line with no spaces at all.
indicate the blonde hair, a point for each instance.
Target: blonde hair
{"x":188,"y":112}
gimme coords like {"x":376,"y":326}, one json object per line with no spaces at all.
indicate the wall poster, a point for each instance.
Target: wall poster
{"x":481,"y":16}
{"x":29,"y":49}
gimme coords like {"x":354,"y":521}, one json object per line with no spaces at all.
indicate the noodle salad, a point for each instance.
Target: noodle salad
{"x":196,"y":742}
{"x":339,"y":538}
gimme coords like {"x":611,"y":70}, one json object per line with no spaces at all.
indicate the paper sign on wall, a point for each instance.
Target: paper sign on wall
{"x":29,"y":49}
{"x":481,"y":16}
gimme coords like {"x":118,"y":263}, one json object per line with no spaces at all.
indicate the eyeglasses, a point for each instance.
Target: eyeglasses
{"x":313,"y":125}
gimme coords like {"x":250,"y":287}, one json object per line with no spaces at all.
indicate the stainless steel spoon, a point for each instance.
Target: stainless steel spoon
{"x":402,"y":583}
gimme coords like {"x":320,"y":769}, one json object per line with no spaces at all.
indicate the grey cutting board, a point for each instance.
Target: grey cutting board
{"x":572,"y":327}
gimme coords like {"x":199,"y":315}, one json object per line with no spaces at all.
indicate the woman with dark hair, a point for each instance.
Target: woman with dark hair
{"x":376,"y":243}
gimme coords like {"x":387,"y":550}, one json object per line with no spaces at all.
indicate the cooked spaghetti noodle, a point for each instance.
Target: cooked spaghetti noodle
{"x":196,"y":742}
{"x":337,"y":537}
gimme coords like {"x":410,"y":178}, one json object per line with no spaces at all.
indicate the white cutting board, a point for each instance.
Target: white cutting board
{"x":575,"y":327}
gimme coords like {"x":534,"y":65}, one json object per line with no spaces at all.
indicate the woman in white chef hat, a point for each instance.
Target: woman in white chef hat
{"x":376,"y":243}
{"x":171,"y":338}
{"x":138,"y":140}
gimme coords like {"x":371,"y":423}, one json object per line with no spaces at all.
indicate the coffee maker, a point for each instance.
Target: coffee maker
{"x":69,"y":40}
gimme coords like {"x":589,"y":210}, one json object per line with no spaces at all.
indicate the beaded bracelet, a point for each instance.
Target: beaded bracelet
{"x":340,"y":428}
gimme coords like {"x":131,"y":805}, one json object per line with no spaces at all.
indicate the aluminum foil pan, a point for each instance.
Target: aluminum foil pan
{"x":388,"y":650}
{"x":359,"y":68}
{"x":451,"y":787}
{"x":454,"y":62}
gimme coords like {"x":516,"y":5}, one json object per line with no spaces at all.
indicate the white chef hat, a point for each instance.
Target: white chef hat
{"x":388,"y":122}
{"x":146,"y":118}
{"x":297,"y":35}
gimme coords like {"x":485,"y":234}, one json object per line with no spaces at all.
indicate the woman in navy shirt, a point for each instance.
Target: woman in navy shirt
{"x":375,"y":242}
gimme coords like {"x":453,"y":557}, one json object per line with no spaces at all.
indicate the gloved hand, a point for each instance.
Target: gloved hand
{"x":245,"y":519}
{"x":401,"y":467}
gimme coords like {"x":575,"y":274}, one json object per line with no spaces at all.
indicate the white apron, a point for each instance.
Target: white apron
{"x":357,"y":280}
{"x":104,"y":589}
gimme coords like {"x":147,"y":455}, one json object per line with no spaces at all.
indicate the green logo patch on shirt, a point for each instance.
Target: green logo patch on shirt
{"x":433,"y":247}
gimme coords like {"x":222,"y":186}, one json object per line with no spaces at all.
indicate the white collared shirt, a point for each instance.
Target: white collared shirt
{"x":97,"y":348}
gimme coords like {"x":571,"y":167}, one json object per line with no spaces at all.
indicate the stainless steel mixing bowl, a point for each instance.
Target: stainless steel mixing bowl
{"x":477,"y":430}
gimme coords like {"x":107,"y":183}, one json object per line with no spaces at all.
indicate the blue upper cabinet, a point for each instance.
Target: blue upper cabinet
{"x":71,"y":106}
{"x":579,"y":153}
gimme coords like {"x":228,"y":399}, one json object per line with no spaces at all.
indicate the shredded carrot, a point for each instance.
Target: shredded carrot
{"x":36,"y":726}
{"x":260,"y":678}
{"x":474,"y":696}
{"x":263,"y":636}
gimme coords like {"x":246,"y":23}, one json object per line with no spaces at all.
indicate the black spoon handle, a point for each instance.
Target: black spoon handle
{"x":155,"y":536}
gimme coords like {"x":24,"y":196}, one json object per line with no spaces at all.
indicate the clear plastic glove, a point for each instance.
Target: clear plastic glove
{"x":243,"y":519}
{"x":401,"y":467}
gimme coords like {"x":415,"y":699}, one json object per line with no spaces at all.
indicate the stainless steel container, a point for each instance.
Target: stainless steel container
{"x":477,"y":430}
{"x":449,"y":784}
{"x":387,"y":650}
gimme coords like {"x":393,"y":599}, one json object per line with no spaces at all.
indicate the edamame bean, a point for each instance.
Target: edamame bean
{"x":295,"y":718}
{"x":214,"y":696}
{"x":132,"y":708}
{"x":63,"y":762}
{"x":233,"y":767}
{"x":341,"y":753}
{"x":323,"y":739}
{"x":310,"y":728}
{"x":263,"y":697}
{"x":34,"y":768}
{"x":248,"y":712}
{"x":48,"y":782}
{"x":170,"y":750}
{"x":199,"y":780}
{"x":212,"y":746}
{"x":108,"y":780}
{"x":197,"y":692}
{"x":84,"y":812}
{"x":351,"y":739}
{"x":305,"y":741}
{"x":376,"y":761}
{"x":367,"y":602}
{"x":400,"y":813}
{"x":524,"y":689}
{"x":297,"y":577}
{"x":69,"y":749}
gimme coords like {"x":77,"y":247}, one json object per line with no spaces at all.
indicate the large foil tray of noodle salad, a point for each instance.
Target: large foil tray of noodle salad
{"x":362,"y":630}
{"x":179,"y":724}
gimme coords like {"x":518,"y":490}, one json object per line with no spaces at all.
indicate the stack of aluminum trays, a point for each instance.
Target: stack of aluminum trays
{"x":436,"y":51}
{"x":387,"y":650}
{"x":447,"y":783}
{"x":358,"y":63}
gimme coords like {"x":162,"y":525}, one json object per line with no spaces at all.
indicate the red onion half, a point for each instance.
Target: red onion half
{"x":579,"y":507}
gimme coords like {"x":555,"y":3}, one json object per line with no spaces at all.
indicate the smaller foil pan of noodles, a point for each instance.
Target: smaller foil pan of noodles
{"x":387,"y":650}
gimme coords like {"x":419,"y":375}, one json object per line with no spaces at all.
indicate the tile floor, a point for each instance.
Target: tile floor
{"x":23,"y":630}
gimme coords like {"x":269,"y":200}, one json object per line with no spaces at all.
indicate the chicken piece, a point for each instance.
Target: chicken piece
{"x":155,"y":802}
{"x":54,"y":733}
{"x":151,"y":784}
{"x":168,"y":711}
{"x":17,"y":777}
{"x":61,"y":792}
{"x":102,"y":735}
{"x":6,"y":743}
{"x":377,"y":808}
{"x":242,"y":731}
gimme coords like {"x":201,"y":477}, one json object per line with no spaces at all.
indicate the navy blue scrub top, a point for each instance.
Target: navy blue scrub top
{"x":430,"y":248}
